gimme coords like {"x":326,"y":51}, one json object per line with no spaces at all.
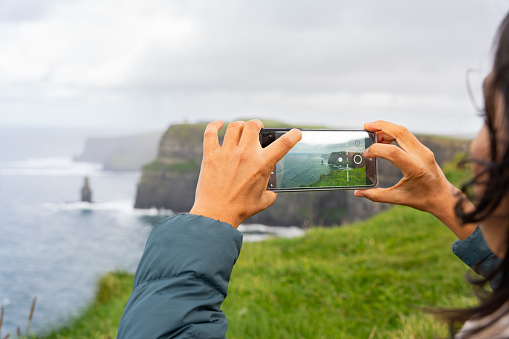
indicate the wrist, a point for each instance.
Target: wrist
{"x":217,"y":214}
{"x":444,"y":210}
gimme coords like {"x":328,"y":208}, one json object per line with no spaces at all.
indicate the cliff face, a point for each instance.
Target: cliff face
{"x":170,"y":182}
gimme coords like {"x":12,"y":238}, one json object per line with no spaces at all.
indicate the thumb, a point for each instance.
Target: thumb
{"x":269,"y":198}
{"x":384,"y":195}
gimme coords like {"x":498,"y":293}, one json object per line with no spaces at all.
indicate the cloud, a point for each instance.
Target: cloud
{"x":149,"y":63}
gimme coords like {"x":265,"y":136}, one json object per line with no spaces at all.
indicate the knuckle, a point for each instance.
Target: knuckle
{"x":429,"y":156}
{"x":401,"y":131}
{"x":209,"y":133}
{"x":254,"y":123}
{"x":420,"y":172}
{"x":394,"y":152}
{"x":235,"y":124}
{"x":285,"y":143}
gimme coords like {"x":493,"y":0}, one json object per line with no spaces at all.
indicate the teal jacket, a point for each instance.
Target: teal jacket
{"x":182,"y":278}
{"x":474,"y":252}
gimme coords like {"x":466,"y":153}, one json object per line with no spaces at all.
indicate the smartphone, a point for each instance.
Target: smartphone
{"x":325,"y":159}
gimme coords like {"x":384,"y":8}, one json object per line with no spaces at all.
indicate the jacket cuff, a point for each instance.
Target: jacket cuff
{"x":472,"y":250}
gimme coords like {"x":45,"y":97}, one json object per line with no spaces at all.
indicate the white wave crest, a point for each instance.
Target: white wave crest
{"x":257,"y":232}
{"x":122,"y":206}
{"x":252,"y":232}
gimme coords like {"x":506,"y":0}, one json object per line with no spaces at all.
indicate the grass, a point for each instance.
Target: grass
{"x":178,"y":167}
{"x":367,"y":280}
{"x":18,"y":330}
{"x":340,"y":177}
{"x":100,"y":319}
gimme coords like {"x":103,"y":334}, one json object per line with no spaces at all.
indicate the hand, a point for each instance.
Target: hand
{"x":233,"y":178}
{"x":423,"y":186}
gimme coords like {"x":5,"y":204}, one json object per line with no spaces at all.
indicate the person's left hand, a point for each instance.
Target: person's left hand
{"x":233,"y":178}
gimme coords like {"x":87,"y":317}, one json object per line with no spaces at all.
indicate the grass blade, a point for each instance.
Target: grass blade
{"x":1,"y":320}
{"x":30,"y":317}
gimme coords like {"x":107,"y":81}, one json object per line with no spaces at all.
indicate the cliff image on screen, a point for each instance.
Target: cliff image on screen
{"x":325,"y":159}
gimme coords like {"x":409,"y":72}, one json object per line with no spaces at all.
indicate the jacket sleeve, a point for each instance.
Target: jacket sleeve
{"x":474,"y":252}
{"x":182,"y":279}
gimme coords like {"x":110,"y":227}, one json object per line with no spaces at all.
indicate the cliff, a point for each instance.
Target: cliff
{"x":170,"y":182}
{"x":127,"y":153}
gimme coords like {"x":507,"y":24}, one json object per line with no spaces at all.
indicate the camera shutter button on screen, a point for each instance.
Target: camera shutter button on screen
{"x":357,"y":159}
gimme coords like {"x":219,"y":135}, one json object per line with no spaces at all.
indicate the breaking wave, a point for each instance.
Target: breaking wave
{"x":122,"y":206}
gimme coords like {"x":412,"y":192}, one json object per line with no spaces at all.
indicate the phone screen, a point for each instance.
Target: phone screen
{"x":323,"y":160}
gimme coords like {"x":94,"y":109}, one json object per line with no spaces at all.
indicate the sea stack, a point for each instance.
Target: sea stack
{"x":86,"y":193}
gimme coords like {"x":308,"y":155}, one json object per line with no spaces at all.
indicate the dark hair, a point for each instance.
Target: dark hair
{"x":494,"y":177}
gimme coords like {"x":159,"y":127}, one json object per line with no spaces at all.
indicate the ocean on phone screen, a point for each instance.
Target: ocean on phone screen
{"x":297,"y":170}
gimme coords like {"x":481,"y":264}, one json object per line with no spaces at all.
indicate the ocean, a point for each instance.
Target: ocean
{"x":54,"y":247}
{"x":306,"y":169}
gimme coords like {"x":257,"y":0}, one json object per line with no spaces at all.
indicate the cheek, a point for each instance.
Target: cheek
{"x":495,"y":229}
{"x":492,"y":237}
{"x":480,"y":146}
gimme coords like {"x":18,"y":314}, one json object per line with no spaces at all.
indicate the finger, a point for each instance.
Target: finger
{"x":210,"y":139}
{"x":401,"y":134}
{"x":269,"y":198}
{"x":381,"y":137}
{"x":385,"y":195}
{"x":370,"y":126}
{"x":251,"y":134}
{"x":233,"y":133}
{"x":395,"y":155}
{"x":282,"y":145}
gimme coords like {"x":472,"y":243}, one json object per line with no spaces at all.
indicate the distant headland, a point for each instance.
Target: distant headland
{"x":128,"y":153}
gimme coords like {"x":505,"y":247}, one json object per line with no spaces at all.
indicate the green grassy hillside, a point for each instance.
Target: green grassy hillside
{"x":367,"y":280}
{"x":351,"y":282}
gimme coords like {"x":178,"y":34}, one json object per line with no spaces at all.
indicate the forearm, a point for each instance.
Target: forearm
{"x":443,"y":208}
{"x":182,"y":279}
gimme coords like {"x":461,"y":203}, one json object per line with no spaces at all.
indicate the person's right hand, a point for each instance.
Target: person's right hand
{"x":233,"y":177}
{"x":423,"y":186}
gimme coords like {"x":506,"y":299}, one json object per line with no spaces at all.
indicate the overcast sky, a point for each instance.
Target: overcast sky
{"x":145,"y":64}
